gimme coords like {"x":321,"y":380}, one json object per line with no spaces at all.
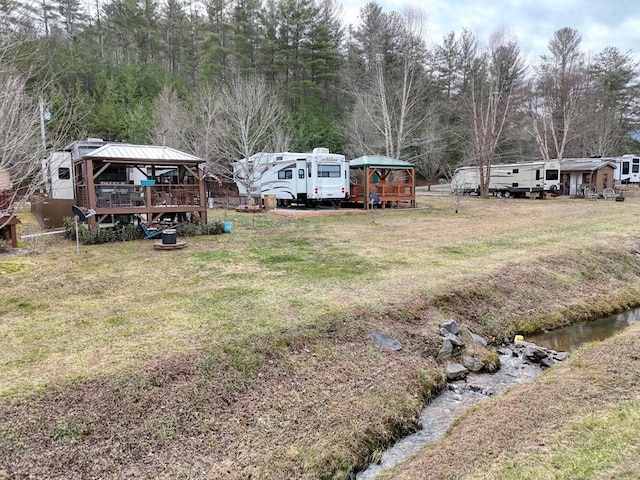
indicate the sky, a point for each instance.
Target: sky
{"x":601,"y":23}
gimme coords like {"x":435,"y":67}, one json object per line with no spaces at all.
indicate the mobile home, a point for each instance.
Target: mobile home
{"x":300,"y":178}
{"x":511,"y":180}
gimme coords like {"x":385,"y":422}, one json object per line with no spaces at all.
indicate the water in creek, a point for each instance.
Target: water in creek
{"x":437,"y":417}
{"x":569,"y":339}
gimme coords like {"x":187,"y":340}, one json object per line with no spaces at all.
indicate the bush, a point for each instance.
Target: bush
{"x":126,"y":232}
{"x":213,"y":228}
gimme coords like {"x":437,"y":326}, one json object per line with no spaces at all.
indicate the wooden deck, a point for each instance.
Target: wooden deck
{"x":390,"y":194}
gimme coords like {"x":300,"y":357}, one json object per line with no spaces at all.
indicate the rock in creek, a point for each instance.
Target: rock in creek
{"x":455,"y":371}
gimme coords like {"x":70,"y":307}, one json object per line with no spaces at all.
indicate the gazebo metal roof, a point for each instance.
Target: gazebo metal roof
{"x":141,"y":153}
{"x":379,"y":161}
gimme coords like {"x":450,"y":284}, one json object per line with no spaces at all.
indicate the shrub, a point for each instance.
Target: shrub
{"x":125,"y":232}
{"x":213,"y":228}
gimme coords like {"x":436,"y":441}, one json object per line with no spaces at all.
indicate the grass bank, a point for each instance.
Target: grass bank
{"x":249,"y":353}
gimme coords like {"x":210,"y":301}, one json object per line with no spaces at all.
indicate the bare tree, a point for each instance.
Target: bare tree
{"x":390,"y":115}
{"x":496,"y":79}
{"x":611,"y":104}
{"x":557,"y":93}
{"x":22,"y":145}
{"x":234,"y":122}
{"x":170,"y":120}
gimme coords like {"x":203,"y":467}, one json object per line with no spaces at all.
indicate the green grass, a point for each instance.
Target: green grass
{"x":593,"y":448}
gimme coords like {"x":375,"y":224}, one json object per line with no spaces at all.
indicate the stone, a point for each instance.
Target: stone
{"x":455,"y":340}
{"x":471,"y":363}
{"x":451,"y":326}
{"x":547,"y":362}
{"x":479,"y":340}
{"x":383,"y":340}
{"x":456,"y":371}
{"x":535,"y":353}
{"x":445,"y":352}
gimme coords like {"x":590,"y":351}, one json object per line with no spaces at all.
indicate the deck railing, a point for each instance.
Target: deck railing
{"x":123,"y":195}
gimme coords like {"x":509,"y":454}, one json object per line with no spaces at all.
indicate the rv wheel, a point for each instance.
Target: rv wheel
{"x":507,"y":194}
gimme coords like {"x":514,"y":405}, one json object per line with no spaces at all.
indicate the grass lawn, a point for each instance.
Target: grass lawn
{"x":248,"y":353}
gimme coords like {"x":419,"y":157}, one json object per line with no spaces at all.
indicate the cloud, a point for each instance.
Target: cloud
{"x":601,"y":23}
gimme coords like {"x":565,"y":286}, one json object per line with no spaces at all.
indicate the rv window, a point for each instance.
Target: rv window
{"x":516,"y":170}
{"x":64,"y":173}
{"x":329,"y":171}
{"x":538,"y":174}
{"x":301,"y":173}
{"x":551,"y":175}
{"x":635,"y":168}
{"x":285,"y":174}
{"x":625,"y":168}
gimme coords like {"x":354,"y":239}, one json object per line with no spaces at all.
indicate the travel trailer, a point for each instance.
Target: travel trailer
{"x":57,"y":167}
{"x":300,"y":178}
{"x":628,"y":168}
{"x":510,"y":180}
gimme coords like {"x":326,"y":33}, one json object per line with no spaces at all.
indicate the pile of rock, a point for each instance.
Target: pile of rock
{"x":455,"y":347}
{"x":545,"y":357}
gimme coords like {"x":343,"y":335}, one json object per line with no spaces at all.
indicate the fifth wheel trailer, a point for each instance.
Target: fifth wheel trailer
{"x":510,"y":179}
{"x":300,"y":178}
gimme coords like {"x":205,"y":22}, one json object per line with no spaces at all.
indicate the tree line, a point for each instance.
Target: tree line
{"x":224,"y":79}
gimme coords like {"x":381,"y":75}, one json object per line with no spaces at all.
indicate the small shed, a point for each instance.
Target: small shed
{"x":382,"y":180}
{"x":576,"y":173}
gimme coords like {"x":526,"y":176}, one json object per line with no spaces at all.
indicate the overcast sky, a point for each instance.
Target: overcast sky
{"x":601,"y":23}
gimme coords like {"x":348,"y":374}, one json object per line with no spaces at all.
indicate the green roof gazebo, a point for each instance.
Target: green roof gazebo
{"x":384,"y":180}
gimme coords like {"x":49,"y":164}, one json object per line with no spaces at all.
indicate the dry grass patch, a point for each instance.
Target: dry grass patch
{"x":249,"y":353}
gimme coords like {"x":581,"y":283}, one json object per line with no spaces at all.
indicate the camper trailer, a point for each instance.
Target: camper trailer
{"x":628,"y":168}
{"x":510,"y":180}
{"x":294,"y":178}
{"x":57,"y":167}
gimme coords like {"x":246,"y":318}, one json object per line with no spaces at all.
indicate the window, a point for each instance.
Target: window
{"x":551,"y":174}
{"x":285,"y":174}
{"x":301,"y":173}
{"x":64,"y":173}
{"x":625,"y":168}
{"x":516,"y":170}
{"x":329,"y":171}
{"x":538,"y":174}
{"x":635,"y":168}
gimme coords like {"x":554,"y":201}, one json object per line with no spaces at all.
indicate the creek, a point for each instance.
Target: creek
{"x":440,"y":413}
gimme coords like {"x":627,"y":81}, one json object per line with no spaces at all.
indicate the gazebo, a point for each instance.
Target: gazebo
{"x":144,"y":181}
{"x":383,"y":180}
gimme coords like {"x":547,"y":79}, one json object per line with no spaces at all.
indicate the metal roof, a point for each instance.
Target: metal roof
{"x":590,"y":164}
{"x":141,"y":153}
{"x":379,"y":161}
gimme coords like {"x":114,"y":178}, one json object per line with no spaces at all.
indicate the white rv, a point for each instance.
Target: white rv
{"x":628,"y":168}
{"x":57,"y":167}
{"x":301,"y":178}
{"x":511,"y":180}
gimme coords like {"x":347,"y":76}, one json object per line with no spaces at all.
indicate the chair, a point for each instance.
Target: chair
{"x":609,"y":194}
{"x":149,"y":233}
{"x":590,"y":194}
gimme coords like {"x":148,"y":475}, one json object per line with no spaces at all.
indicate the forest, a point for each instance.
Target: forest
{"x":226,"y":79}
